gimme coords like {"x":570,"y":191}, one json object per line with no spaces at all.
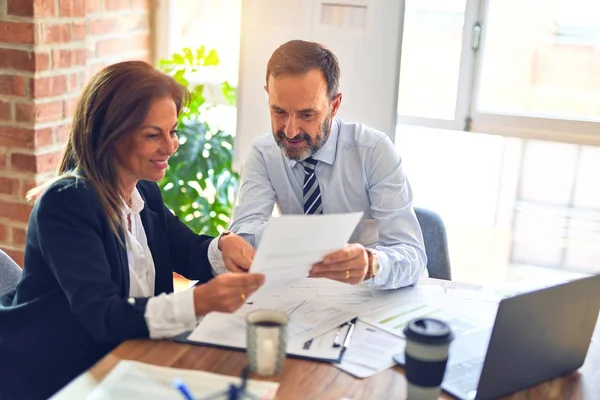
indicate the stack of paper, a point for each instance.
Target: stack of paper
{"x":136,"y":380}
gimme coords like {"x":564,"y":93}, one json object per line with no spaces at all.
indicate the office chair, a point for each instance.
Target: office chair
{"x":436,"y":244}
{"x":9,"y":273}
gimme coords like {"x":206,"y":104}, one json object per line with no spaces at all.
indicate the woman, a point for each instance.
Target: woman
{"x":101,"y":245}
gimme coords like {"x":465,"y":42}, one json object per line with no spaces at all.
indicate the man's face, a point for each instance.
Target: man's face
{"x":301,"y":112}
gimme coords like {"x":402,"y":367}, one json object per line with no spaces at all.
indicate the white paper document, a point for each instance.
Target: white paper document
{"x":136,"y":380}
{"x":392,"y":310}
{"x":308,"y":320}
{"x":291,"y":244}
{"x":370,"y":351}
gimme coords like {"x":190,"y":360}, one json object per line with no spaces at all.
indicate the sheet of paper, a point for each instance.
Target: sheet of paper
{"x":136,"y":380}
{"x":308,"y":320}
{"x":370,"y":351}
{"x":291,"y":244}
{"x":322,"y":290}
{"x":392,"y":311}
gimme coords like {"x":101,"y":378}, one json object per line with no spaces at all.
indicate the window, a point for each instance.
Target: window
{"x":547,"y":64}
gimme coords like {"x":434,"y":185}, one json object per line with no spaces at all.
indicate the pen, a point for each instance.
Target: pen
{"x":183,"y":389}
{"x":349,"y":333}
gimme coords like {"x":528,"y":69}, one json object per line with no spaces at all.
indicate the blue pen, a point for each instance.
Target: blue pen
{"x":183,"y":389}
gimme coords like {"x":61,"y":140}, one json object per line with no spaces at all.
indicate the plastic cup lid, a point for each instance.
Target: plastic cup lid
{"x":428,"y":331}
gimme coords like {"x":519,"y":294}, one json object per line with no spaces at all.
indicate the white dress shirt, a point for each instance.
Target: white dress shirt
{"x":359,"y":169}
{"x":167,"y":315}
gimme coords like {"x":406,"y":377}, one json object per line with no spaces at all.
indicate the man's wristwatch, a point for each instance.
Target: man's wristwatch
{"x":373,"y":265}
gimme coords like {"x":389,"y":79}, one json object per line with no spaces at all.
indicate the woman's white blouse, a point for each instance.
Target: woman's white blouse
{"x":166,"y":315}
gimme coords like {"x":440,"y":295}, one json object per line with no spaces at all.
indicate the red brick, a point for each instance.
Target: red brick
{"x":114,"y":5}
{"x":56,"y":33}
{"x":61,"y":133}
{"x":18,"y":236}
{"x":70,"y":105}
{"x":79,"y":31}
{"x":26,"y":186}
{"x":21,"y":85}
{"x":42,"y":61}
{"x":111,"y":47}
{"x":9,"y":186}
{"x":16,"y":32}
{"x":2,"y":232}
{"x":17,"y":255}
{"x":140,"y":4}
{"x":45,"y":8}
{"x":72,"y":8}
{"x":66,"y":58}
{"x":92,"y":6}
{"x":73,"y":82}
{"x":100,"y":26}
{"x":31,"y":8}
{"x":20,"y":8}
{"x":5,"y":114}
{"x":2,"y":157}
{"x":49,"y":86}
{"x":31,"y":163}
{"x":15,"y":211}
{"x":15,"y":137}
{"x":43,"y":137}
{"x":17,"y":59}
{"x":40,"y":112}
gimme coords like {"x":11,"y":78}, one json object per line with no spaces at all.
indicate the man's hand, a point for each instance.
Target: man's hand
{"x":349,"y":265}
{"x":237,"y":253}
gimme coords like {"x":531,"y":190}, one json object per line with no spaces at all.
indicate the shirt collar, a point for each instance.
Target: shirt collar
{"x":326,"y":153}
{"x":137,"y":203}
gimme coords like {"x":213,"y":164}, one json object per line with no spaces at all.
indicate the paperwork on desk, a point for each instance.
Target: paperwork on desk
{"x":307,"y":320}
{"x":136,"y":380}
{"x":291,"y":244}
{"x":371,"y":351}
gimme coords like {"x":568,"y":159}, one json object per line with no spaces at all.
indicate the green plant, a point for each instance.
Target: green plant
{"x":200,"y":184}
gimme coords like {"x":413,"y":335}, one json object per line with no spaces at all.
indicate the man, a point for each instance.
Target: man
{"x":313,"y":163}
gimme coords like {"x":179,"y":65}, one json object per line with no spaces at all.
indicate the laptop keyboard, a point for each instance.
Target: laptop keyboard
{"x":464,"y":377}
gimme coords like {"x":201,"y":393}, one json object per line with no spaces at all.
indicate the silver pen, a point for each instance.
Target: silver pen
{"x":349,"y":333}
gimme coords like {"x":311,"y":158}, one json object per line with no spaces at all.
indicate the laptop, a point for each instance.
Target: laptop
{"x":537,"y":336}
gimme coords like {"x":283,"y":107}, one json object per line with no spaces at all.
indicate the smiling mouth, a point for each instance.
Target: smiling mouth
{"x":159,"y":162}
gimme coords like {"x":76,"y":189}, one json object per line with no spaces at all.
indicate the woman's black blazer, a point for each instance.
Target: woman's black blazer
{"x":71,"y":305}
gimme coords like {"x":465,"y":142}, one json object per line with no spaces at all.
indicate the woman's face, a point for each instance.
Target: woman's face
{"x":145,"y":153}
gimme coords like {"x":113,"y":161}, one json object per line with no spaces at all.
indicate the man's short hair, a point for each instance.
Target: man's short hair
{"x":297,"y":57}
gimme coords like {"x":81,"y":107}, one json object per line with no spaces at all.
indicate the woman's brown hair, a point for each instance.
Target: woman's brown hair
{"x":112,"y":106}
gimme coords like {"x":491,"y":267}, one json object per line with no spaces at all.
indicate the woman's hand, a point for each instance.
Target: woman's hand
{"x":237,"y":253}
{"x":226,"y":292}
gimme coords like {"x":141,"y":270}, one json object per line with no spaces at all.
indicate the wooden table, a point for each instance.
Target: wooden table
{"x":312,"y":380}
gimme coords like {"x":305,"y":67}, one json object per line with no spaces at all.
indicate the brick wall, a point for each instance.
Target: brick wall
{"x":48,"y":50}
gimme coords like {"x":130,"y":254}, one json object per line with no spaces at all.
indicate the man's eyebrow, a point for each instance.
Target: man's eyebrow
{"x":309,"y":110}
{"x":274,"y":107}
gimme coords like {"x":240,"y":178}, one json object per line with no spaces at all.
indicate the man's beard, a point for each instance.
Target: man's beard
{"x":312,"y":145}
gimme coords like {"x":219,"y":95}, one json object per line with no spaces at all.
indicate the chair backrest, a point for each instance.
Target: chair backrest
{"x":10,"y":273}
{"x":436,"y":243}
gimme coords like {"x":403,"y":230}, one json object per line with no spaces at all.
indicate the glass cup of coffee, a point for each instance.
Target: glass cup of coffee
{"x":426,"y":356}
{"x":266,"y":340}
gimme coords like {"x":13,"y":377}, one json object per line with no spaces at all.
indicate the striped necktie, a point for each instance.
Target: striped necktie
{"x":312,"y":193}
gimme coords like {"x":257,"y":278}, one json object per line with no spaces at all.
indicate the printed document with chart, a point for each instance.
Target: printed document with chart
{"x":291,"y":244}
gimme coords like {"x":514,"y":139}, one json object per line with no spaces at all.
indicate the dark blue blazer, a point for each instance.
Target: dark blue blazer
{"x":71,"y":305}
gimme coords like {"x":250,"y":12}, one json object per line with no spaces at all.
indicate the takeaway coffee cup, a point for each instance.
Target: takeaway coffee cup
{"x":266,"y":339}
{"x":426,"y":355}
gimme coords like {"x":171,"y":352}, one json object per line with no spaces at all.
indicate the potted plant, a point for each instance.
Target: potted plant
{"x":200,"y":184}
